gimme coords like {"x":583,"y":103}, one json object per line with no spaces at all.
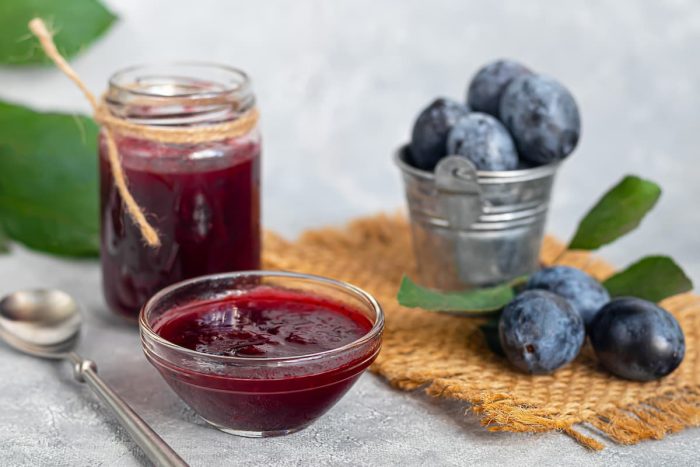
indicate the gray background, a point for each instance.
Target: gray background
{"x":339,"y":83}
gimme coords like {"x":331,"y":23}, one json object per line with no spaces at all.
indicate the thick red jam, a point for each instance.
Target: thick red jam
{"x":270,"y":397}
{"x":263,"y":326}
{"x":203,"y":201}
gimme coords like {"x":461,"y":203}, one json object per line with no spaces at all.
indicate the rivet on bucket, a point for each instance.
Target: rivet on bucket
{"x":473,"y":228}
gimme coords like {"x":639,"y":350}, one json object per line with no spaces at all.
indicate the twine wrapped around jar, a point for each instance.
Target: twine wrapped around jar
{"x":114,"y":125}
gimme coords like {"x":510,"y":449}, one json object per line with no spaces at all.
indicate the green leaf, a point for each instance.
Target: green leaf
{"x":473,"y":302}
{"x":491,"y":335}
{"x":4,"y":241}
{"x":618,"y":212}
{"x":651,"y":278}
{"x":48,"y":180}
{"x":76,"y":23}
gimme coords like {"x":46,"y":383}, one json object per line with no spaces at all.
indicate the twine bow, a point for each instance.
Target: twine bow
{"x":112,"y":124}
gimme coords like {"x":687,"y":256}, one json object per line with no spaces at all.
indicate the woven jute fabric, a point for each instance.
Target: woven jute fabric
{"x":447,"y":356}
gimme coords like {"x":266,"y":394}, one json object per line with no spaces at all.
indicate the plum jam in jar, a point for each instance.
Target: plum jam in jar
{"x":202,"y":198}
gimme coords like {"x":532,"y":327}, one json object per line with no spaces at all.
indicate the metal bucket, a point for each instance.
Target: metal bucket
{"x":475,"y":228}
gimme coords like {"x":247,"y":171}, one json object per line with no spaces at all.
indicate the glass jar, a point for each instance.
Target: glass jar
{"x":203,"y":199}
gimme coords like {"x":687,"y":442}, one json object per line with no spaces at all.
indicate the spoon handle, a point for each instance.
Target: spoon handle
{"x":157,"y":450}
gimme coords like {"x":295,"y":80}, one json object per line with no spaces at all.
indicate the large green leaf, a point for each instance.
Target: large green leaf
{"x":472,"y":302}
{"x":618,"y":212}
{"x":4,"y":241}
{"x":76,"y":24}
{"x":652,"y":278}
{"x":48,"y":180}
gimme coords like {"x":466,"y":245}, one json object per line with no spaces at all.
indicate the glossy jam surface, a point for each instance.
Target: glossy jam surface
{"x":266,"y":398}
{"x":258,"y":325}
{"x":203,"y":200}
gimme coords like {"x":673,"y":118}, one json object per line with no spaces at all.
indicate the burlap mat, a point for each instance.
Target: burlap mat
{"x":448,"y":355}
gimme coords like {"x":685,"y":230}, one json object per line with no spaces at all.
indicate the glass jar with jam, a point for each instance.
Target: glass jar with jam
{"x":202,"y":198}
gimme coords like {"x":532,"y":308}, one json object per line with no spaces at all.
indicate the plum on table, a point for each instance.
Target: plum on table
{"x":585,"y":294}
{"x":636,"y":339}
{"x":540,"y":332}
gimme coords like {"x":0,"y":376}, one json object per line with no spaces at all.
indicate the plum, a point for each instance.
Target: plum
{"x":636,"y":339}
{"x":429,"y":138}
{"x":484,"y":141}
{"x":585,"y":294}
{"x":540,"y":332}
{"x":542,"y":117}
{"x":487,"y":85}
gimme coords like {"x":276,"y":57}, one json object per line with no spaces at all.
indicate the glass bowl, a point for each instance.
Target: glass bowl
{"x":260,"y":396}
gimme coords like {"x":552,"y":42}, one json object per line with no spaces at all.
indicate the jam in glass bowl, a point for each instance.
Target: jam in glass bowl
{"x":261,"y":353}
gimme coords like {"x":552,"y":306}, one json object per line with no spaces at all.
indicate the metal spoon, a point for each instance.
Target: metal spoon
{"x":46,"y":323}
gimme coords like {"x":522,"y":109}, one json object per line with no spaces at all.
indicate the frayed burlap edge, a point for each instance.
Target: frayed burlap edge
{"x":375,"y":252}
{"x":652,"y":418}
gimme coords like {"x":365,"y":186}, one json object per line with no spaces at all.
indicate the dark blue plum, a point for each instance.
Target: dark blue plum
{"x":484,"y":141}
{"x":543,"y":118}
{"x":585,"y":294}
{"x":487,"y":85}
{"x":540,"y":332}
{"x":636,"y":339}
{"x":429,"y":138}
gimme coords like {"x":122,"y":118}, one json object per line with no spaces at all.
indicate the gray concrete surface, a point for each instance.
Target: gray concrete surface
{"x":339,"y":85}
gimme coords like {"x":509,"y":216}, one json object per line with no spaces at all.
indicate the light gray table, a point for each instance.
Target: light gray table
{"x":50,"y":420}
{"x":339,"y":84}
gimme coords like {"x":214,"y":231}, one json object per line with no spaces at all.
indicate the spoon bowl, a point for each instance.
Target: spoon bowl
{"x":46,"y":323}
{"x":41,"y":322}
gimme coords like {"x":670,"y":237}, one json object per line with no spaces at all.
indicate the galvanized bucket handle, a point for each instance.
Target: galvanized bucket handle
{"x":457,"y":183}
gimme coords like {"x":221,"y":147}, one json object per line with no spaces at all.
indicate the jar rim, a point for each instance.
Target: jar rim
{"x":131,"y":73}
{"x":179,"y":93}
{"x":147,"y":331}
